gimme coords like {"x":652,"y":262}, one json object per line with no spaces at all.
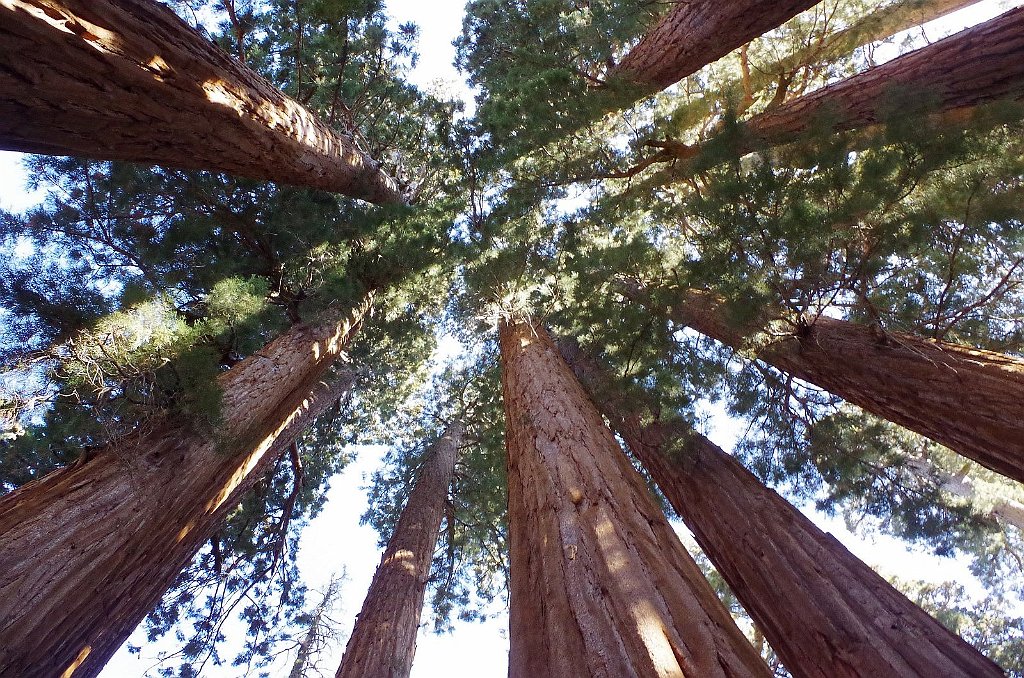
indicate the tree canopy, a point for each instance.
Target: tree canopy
{"x":567,"y":195}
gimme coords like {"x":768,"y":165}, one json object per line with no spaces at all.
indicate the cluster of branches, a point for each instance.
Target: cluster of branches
{"x":756,"y":201}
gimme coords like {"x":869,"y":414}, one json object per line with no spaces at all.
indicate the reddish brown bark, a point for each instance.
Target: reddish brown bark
{"x":383,"y":642}
{"x":600,"y":584}
{"x":969,"y":400}
{"x":698,"y":32}
{"x":826,"y":613}
{"x":129,"y":80}
{"x":975,"y":66}
{"x":880,"y":24}
{"x":88,"y":550}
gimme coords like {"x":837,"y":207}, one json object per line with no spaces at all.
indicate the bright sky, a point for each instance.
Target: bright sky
{"x":335,"y":541}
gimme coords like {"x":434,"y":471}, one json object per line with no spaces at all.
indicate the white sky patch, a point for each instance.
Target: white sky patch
{"x":942,"y":27}
{"x":448,"y":348}
{"x":578,"y":197}
{"x":14,"y":193}
{"x":440,"y":22}
{"x":23,"y":249}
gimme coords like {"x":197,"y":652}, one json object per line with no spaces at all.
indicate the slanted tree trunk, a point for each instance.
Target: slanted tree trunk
{"x":129,"y":80}
{"x":970,"y":400}
{"x":826,"y":613}
{"x":87,"y":551}
{"x":975,"y":66}
{"x":600,"y":584}
{"x":383,"y":642}
{"x":696,"y":33}
{"x":879,"y":25}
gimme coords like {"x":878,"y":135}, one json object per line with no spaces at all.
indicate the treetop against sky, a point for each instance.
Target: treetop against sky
{"x":729,"y":288}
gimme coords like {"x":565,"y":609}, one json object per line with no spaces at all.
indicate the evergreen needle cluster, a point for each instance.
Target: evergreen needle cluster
{"x":661,"y":223}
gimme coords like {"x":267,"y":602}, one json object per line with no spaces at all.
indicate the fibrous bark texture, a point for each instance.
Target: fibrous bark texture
{"x":969,"y":400}
{"x":975,"y":66}
{"x":600,"y":584}
{"x":383,"y":642}
{"x":87,"y":551}
{"x":696,"y":33}
{"x":826,"y":613}
{"x":880,"y":24}
{"x":129,"y":80}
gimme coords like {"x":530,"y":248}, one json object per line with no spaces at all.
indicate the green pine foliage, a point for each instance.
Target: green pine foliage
{"x":127,"y":292}
{"x":143,"y":284}
{"x":536,"y":63}
{"x":470,"y":566}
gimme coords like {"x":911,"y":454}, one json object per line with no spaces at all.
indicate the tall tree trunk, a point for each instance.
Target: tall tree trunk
{"x":383,"y":642}
{"x":600,"y":584}
{"x":316,"y":635}
{"x":87,"y":551}
{"x":879,"y":25}
{"x":970,"y":400}
{"x":129,"y":80}
{"x":826,"y":613}
{"x":975,"y":66}
{"x":696,"y":33}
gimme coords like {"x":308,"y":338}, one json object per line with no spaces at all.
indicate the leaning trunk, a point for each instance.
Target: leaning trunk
{"x":878,"y":25}
{"x":975,"y":66}
{"x":383,"y":641}
{"x":600,"y":584}
{"x":970,"y":400}
{"x":88,"y":550}
{"x":695,"y":34}
{"x":129,"y":80}
{"x":826,"y":613}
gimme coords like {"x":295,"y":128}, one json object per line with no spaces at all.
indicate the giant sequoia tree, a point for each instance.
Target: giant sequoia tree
{"x":580,"y":521}
{"x":145,"y":505}
{"x":383,"y":642}
{"x":756,"y":218}
{"x":962,"y":397}
{"x":849,"y":622}
{"x":131,"y":81}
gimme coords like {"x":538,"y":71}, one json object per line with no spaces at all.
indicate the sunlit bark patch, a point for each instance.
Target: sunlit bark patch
{"x":600,"y":585}
{"x":103,"y":92}
{"x":70,"y":670}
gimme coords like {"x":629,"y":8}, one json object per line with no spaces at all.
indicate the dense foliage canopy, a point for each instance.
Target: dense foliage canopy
{"x":565,"y":197}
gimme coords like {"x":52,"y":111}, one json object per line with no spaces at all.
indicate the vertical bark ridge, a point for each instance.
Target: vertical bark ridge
{"x":970,"y":400}
{"x":129,"y":80}
{"x":975,"y":66}
{"x":696,"y":33}
{"x":600,"y":584}
{"x":825,"y":612}
{"x":383,"y":642}
{"x":87,"y":551}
